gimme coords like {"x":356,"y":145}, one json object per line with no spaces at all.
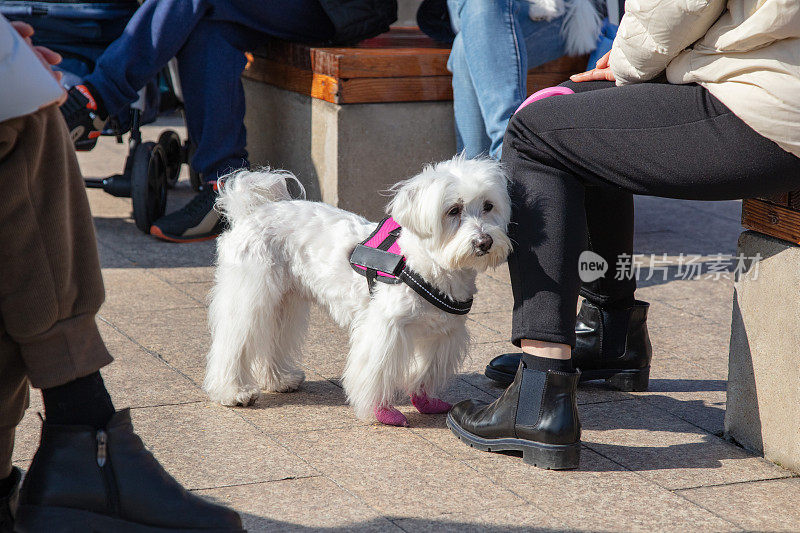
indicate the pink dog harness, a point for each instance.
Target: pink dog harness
{"x":379,"y":258}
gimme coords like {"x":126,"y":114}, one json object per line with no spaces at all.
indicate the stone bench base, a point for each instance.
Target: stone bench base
{"x":345,"y":155}
{"x":764,"y":366}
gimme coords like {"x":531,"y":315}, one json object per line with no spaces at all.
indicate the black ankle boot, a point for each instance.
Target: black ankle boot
{"x":537,"y":415}
{"x":612,"y":345}
{"x":8,"y":502}
{"x":83,"y":479}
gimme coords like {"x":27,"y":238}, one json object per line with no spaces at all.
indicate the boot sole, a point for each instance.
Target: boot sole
{"x":36,"y":519}
{"x":548,"y":456}
{"x":637,"y":380}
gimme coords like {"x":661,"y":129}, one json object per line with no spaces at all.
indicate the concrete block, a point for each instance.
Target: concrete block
{"x":764,"y":363}
{"x":345,"y":155}
{"x":407,"y":12}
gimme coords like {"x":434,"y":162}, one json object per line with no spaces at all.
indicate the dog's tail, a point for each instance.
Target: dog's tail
{"x":243,"y":191}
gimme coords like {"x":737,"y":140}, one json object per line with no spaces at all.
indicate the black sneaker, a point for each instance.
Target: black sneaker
{"x":85,"y":119}
{"x":196,"y":221}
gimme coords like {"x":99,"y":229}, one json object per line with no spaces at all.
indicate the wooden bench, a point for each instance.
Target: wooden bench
{"x":350,"y":121}
{"x":764,"y":363}
{"x":776,"y":216}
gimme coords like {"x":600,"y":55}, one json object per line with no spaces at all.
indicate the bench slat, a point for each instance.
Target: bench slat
{"x":403,"y":65}
{"x":771,"y":219}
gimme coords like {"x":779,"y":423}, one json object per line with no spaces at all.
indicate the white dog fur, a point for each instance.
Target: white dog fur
{"x":280,"y":254}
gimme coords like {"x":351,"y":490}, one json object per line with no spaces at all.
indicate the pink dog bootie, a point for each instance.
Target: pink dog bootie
{"x":429,"y":406}
{"x":390,"y":416}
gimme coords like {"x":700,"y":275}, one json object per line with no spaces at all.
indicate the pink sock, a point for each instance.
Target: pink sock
{"x":390,"y":416}
{"x":427,"y":405}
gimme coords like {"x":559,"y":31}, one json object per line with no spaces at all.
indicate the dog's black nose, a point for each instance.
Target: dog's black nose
{"x":483,"y":243}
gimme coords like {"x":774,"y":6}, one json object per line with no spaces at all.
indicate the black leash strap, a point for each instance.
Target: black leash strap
{"x":433,"y":295}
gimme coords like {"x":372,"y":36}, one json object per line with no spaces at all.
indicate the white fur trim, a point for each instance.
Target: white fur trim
{"x":581,"y":28}
{"x":545,"y":9}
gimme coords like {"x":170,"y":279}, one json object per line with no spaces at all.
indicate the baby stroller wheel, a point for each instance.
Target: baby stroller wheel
{"x":148,"y":184}
{"x":194,"y":176}
{"x":170,"y":142}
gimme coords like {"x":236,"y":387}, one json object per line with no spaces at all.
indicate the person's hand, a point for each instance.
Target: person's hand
{"x":602,"y":71}
{"x":45,"y":55}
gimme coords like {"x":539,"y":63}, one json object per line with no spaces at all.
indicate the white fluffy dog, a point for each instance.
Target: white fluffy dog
{"x":280,"y":254}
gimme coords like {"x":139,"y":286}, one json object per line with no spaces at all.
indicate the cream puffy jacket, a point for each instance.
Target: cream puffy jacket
{"x":745,"y":52}
{"x":25,"y":84}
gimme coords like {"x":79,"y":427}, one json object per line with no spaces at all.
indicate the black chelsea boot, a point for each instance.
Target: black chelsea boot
{"x":537,"y":415}
{"x":609,"y":344}
{"x":83,"y":479}
{"x":8,"y":502}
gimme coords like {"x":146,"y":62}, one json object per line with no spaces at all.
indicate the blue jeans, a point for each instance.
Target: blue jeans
{"x":496,"y":43}
{"x":208,"y":37}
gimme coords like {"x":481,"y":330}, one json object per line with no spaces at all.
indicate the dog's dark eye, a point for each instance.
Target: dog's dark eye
{"x":488,"y":206}
{"x":454,"y":211}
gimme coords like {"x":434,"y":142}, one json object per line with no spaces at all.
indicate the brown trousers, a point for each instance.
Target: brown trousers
{"x":50,"y":282}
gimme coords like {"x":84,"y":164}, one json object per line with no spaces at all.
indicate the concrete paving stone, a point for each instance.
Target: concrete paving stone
{"x":709,"y":299}
{"x":433,"y":428}
{"x":756,"y":506}
{"x":104,"y":205}
{"x":500,"y":273}
{"x":493,"y":295}
{"x":667,"y":450}
{"x":204,"y":445}
{"x":197,"y":290}
{"x":517,"y":518}
{"x":317,"y":405}
{"x":121,"y":235}
{"x":398,"y":472}
{"x":179,"y":336}
{"x":671,"y":226}
{"x":184,"y":274}
{"x":306,"y":504}
{"x":134,"y":366}
{"x":27,"y":437}
{"x":705,"y":346}
{"x":480,"y":354}
{"x":111,"y":259}
{"x":480,"y":333}
{"x":326,"y":345}
{"x":599,"y":496}
{"x":687,"y":391}
{"x":135,"y":290}
{"x":496,"y":321}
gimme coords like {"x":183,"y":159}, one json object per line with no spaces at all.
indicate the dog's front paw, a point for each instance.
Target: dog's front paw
{"x":390,"y":416}
{"x":289,"y":382}
{"x":237,"y":398}
{"x":428,"y":405}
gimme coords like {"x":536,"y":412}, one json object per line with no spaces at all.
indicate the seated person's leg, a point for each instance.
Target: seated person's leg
{"x":501,"y":43}
{"x":471,"y":135}
{"x":152,"y":37}
{"x":655,"y":139}
{"x":50,"y":290}
{"x":210,"y":65}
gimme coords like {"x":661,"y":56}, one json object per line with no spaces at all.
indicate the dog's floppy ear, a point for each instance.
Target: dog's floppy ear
{"x":415,"y":204}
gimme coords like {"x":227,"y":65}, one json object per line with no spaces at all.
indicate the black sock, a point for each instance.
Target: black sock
{"x":543,"y":364}
{"x":8,"y":483}
{"x":84,"y":401}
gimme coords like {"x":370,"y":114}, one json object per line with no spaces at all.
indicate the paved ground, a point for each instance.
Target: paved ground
{"x":650,"y":461}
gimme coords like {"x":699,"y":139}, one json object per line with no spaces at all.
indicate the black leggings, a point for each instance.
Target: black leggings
{"x":575,"y":162}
